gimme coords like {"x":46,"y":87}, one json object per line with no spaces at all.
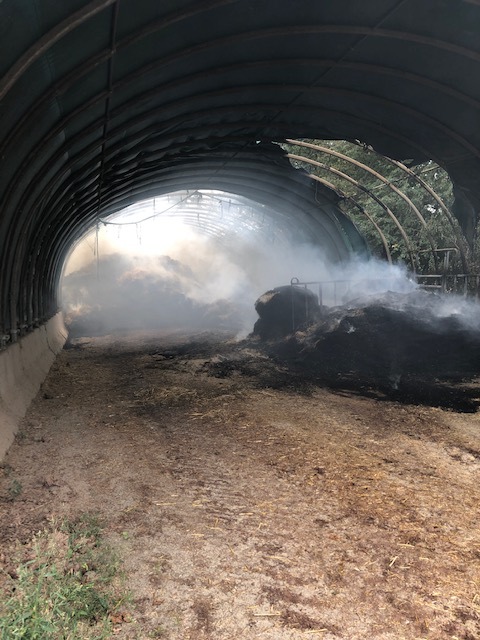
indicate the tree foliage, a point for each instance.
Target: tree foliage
{"x":383,"y":198}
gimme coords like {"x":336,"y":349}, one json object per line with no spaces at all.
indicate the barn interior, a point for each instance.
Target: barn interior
{"x":105,"y":104}
{"x":278,"y":171}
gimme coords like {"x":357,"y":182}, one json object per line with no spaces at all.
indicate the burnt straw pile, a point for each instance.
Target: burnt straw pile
{"x":124,"y":293}
{"x":391,"y":341}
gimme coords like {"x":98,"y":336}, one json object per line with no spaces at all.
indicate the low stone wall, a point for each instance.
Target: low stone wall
{"x":23,"y":367}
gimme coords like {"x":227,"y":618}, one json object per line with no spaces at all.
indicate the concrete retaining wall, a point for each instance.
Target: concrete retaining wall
{"x":23,"y":367}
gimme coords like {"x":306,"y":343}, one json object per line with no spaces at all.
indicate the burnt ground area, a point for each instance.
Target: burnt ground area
{"x":415,"y":348}
{"x":247,"y":500}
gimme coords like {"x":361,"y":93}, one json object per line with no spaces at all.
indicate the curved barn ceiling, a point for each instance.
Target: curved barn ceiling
{"x":107,"y":102}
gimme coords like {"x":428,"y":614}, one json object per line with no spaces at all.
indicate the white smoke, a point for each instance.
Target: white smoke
{"x":198,"y":277}
{"x":171,"y":274}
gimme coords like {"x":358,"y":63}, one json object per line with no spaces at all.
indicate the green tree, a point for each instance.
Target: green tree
{"x":403,"y":212}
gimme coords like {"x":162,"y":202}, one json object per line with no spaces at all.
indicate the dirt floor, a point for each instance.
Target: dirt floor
{"x":249,"y":503}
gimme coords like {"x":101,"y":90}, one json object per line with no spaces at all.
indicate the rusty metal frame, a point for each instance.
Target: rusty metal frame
{"x":388,"y":183}
{"x":462,"y":245}
{"x":348,"y":178}
{"x":362,"y":210}
{"x":378,"y":176}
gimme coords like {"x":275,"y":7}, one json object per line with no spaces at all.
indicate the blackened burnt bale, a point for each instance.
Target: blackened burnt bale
{"x":385,"y":337}
{"x":283,"y":310}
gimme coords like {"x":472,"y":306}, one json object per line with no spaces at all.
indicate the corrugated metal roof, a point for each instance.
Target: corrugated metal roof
{"x":109,"y":101}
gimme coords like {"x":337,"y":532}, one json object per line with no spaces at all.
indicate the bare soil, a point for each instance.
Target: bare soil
{"x":248,"y":502}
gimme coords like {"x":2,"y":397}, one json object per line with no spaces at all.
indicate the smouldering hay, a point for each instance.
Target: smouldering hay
{"x":60,"y":585}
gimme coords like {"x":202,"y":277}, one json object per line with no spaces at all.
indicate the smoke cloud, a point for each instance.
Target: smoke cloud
{"x":198,"y":281}
{"x":173,"y":276}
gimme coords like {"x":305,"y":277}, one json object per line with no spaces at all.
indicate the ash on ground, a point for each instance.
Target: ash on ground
{"x":418,"y":346}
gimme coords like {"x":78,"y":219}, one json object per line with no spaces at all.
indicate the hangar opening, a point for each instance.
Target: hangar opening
{"x":202,"y":257}
{"x":199,"y":258}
